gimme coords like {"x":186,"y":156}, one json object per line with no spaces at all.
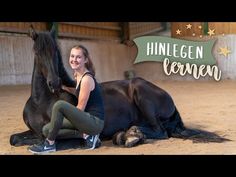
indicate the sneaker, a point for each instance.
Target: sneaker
{"x":42,"y":148}
{"x":92,"y":141}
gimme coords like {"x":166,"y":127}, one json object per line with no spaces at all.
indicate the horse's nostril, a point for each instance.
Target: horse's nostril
{"x":50,"y":85}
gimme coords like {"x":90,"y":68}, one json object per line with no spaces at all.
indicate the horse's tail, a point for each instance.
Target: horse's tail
{"x":178,"y":130}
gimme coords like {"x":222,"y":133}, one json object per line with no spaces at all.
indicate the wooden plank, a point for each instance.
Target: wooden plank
{"x":91,"y":25}
{"x":144,"y":28}
{"x":13,"y":30}
{"x":147,"y":32}
{"x":88,"y":37}
{"x":87,"y":33}
{"x":21,"y":27}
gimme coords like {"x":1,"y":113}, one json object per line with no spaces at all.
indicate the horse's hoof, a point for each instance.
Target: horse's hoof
{"x":134,"y":137}
{"x":119,"y":138}
{"x":136,"y":132}
{"x":132,"y":141}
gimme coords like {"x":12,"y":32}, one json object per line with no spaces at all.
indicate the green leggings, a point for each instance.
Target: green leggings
{"x":76,"y":122}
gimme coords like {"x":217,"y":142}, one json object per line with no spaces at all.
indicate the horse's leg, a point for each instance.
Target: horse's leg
{"x":144,"y":98}
{"x":132,"y":137}
{"x":34,"y":122}
{"x":119,"y":138}
{"x":153,"y":128}
{"x":174,"y":125}
{"x":24,"y":138}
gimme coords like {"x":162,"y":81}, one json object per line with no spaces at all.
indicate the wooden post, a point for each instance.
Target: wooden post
{"x":205,"y":28}
{"x":125,"y":36}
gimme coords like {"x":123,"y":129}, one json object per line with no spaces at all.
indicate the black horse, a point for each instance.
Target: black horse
{"x":134,"y":109}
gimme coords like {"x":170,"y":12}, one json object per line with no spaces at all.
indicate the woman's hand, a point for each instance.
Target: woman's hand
{"x":68,"y":89}
{"x":63,"y":87}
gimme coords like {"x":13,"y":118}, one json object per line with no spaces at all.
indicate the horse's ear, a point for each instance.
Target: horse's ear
{"x":53,"y":32}
{"x":32,"y":33}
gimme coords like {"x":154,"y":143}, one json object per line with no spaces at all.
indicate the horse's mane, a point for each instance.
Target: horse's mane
{"x":47,"y":44}
{"x":63,"y":74}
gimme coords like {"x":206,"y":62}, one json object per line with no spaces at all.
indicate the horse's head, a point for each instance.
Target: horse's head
{"x":47,"y":57}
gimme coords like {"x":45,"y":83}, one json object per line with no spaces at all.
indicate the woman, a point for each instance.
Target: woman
{"x":87,"y":117}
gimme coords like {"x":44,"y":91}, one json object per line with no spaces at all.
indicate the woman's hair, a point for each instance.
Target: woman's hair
{"x":89,"y":64}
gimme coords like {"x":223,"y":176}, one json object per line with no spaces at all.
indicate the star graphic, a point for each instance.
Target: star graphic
{"x":189,"y":26}
{"x":211,"y":32}
{"x":178,"y":32}
{"x":224,"y":51}
{"x":200,"y":27}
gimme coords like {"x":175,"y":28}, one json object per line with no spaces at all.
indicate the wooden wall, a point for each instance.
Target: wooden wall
{"x":21,"y":27}
{"x":91,"y":30}
{"x":137,"y":29}
{"x":16,"y":58}
{"x":110,"y":58}
{"x":111,"y":31}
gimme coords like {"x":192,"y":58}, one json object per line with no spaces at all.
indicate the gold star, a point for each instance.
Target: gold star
{"x":178,"y":32}
{"x":211,"y":32}
{"x":224,"y":51}
{"x":194,"y":34}
{"x":200,"y":27}
{"x":200,"y":36}
{"x":189,"y":26}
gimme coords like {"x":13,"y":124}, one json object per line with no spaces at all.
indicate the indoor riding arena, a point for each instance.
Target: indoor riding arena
{"x":203,"y":103}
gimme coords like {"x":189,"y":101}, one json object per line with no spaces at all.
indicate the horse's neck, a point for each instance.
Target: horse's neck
{"x":63,"y":74}
{"x":39,"y":88}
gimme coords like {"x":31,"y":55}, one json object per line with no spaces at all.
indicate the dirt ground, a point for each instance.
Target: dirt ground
{"x":210,"y":106}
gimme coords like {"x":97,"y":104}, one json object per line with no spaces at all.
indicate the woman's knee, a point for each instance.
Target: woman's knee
{"x":59,"y":104}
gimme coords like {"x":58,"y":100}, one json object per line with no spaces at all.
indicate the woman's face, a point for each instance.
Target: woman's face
{"x":77,"y":59}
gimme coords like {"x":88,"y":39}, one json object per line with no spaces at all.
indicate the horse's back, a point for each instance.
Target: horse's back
{"x":145,"y":91}
{"x":128,"y":102}
{"x":120,"y":112}
{"x":137,"y":90}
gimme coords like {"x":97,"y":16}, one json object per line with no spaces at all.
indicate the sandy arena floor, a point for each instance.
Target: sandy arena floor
{"x":210,"y":106}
